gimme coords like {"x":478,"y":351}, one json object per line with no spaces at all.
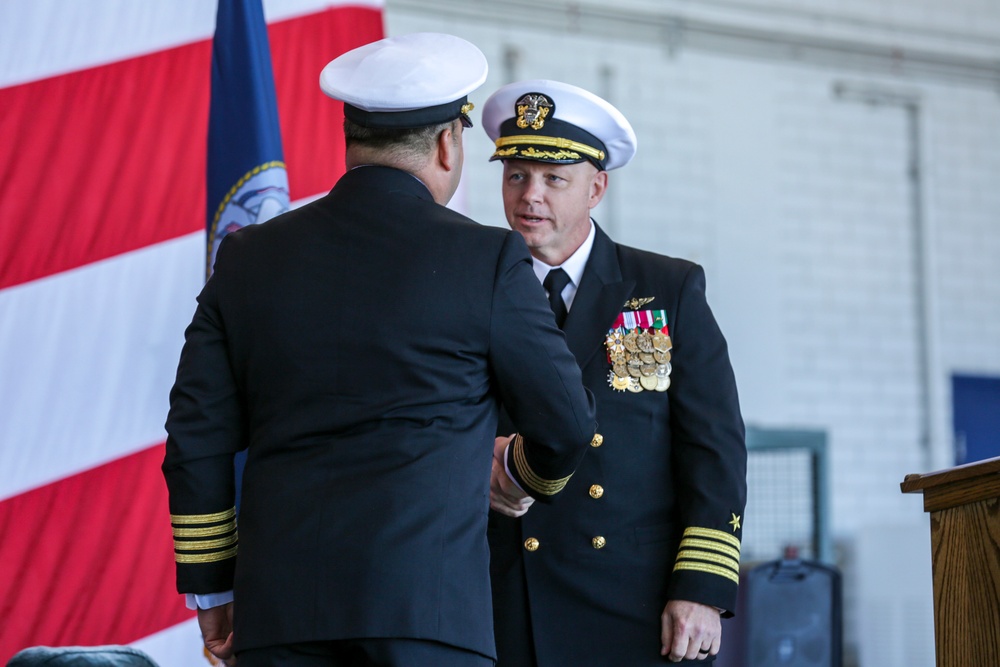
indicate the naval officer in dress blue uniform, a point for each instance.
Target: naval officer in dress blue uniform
{"x":360,"y":346}
{"x":639,"y":557}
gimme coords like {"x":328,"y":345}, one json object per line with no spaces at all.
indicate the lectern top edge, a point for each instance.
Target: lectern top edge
{"x":917,"y":482}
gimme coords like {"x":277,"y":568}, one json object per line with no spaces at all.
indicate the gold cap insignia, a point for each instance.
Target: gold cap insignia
{"x":532,"y":110}
{"x":467,"y":107}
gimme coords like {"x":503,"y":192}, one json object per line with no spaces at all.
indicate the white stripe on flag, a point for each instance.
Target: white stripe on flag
{"x":177,"y":646}
{"x":88,"y":358}
{"x":43,"y":38}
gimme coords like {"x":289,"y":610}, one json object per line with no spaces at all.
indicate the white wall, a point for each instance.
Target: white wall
{"x":800,"y":204}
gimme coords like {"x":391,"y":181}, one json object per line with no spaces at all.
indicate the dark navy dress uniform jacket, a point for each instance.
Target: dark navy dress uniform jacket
{"x":670,"y":477}
{"x":360,"y":346}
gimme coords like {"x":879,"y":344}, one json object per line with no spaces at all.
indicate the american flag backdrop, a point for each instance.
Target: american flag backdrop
{"x":104,"y":113}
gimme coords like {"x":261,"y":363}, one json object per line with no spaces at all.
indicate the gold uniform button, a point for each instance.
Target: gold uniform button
{"x":598,"y":542}
{"x":596,"y":491}
{"x":531,"y":544}
{"x":597,"y":440}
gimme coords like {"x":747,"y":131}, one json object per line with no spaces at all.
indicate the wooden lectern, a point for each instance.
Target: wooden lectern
{"x":964,"y":503}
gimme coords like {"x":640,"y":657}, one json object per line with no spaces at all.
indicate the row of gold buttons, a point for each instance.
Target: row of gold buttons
{"x":596,"y":491}
{"x":532,"y":543}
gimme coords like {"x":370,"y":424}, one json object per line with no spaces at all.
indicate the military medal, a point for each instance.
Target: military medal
{"x":645,"y":342}
{"x":629,"y":341}
{"x":662,"y":377}
{"x":618,"y":382}
{"x":638,"y":346}
{"x":615,"y":342}
{"x":649,"y":383}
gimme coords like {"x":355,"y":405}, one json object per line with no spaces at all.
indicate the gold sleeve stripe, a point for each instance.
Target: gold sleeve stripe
{"x":712,"y":535}
{"x":733,"y":565}
{"x":557,"y":142}
{"x":188,"y":519}
{"x":206,"y":558}
{"x":710,"y":569}
{"x":221,"y":529}
{"x":709,"y":545}
{"x":538,"y":484}
{"x":205,"y":545}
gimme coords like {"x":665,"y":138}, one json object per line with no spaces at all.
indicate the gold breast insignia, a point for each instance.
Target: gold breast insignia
{"x":637,"y":303}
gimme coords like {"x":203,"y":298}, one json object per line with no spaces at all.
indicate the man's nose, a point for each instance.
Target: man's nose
{"x":533,"y":190}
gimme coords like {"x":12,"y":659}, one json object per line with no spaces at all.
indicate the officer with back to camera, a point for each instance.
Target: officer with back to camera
{"x":359,"y":346}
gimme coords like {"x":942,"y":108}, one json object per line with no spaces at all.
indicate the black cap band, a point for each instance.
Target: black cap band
{"x":405,"y":120}
{"x":557,"y":142}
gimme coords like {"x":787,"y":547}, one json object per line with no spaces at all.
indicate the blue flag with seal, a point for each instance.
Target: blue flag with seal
{"x":247,"y":181}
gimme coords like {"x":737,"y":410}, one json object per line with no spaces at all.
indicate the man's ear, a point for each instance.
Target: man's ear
{"x":598,"y":186}
{"x":448,"y":149}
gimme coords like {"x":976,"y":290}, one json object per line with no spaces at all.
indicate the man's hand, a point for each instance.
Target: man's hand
{"x":217,"y":631}
{"x":505,"y":497}
{"x":690,"y":630}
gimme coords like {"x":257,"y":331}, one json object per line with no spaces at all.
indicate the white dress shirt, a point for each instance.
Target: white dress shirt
{"x":573,"y":267}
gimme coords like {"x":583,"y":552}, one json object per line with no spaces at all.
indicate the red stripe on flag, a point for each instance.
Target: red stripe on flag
{"x":88,"y":560}
{"x":112,"y":159}
{"x":102,"y":161}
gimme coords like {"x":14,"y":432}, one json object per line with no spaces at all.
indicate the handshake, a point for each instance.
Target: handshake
{"x":505,"y":496}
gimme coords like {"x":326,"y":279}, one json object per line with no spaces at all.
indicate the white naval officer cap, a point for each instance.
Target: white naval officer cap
{"x":550,"y":121}
{"x":407,"y":81}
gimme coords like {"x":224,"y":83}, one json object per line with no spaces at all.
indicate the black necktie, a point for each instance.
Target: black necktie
{"x":554,"y":282}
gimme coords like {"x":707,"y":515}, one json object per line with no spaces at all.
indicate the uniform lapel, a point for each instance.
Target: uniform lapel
{"x":598,"y":300}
